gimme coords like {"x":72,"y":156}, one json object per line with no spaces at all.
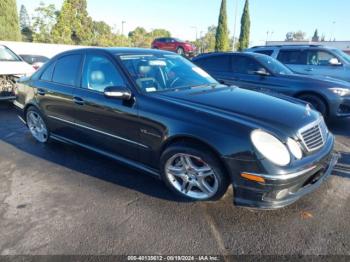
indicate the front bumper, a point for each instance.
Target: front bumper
{"x":340,"y":107}
{"x":283,"y":189}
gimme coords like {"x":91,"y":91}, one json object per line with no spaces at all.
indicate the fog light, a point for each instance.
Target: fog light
{"x":281,"y":194}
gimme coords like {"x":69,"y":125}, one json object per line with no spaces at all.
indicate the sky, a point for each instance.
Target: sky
{"x":186,"y":18}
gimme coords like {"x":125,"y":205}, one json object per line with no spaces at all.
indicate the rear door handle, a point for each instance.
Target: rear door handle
{"x":78,"y":100}
{"x":41,"y":92}
{"x":309,"y":69}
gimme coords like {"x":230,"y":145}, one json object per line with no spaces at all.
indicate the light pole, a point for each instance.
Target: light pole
{"x":332,"y":30}
{"x":123,"y":23}
{"x":195,"y":28}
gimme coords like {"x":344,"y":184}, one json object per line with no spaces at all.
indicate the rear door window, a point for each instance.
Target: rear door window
{"x":67,"y":70}
{"x":292,"y":57}
{"x":245,"y":65}
{"x":47,"y":75}
{"x":216,"y":63}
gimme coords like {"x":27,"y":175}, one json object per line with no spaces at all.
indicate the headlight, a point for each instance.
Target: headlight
{"x":294,"y":148}
{"x":270,"y":147}
{"x":340,"y":91}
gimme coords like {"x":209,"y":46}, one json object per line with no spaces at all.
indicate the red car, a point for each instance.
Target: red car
{"x":174,"y":45}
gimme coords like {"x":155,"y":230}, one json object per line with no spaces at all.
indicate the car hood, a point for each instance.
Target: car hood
{"x":15,"y":68}
{"x":316,"y":79}
{"x":261,"y":110}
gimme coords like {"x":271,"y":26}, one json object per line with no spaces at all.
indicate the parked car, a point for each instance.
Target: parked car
{"x":174,"y":45}
{"x":12,"y":67}
{"x":310,"y":59}
{"x":156,"y":111}
{"x":36,"y":61}
{"x":265,"y":74}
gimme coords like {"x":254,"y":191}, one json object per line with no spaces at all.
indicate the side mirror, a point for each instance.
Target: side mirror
{"x":119,"y":92}
{"x":334,"y":61}
{"x":262,"y":72}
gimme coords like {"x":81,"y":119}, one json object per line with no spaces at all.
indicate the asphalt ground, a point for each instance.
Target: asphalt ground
{"x":58,"y":199}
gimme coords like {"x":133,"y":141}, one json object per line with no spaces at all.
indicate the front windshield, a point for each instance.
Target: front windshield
{"x":342,"y":55}
{"x":7,"y":55}
{"x":154,"y":73}
{"x":273,"y":65}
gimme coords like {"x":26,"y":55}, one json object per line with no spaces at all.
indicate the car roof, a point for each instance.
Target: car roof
{"x":296,"y":46}
{"x":117,"y":51}
{"x":212,"y":54}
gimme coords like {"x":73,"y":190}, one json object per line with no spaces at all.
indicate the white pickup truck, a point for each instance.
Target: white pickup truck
{"x":12,"y":67}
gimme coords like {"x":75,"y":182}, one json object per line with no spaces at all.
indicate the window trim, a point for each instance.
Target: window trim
{"x":78,"y":73}
{"x":53,"y":63}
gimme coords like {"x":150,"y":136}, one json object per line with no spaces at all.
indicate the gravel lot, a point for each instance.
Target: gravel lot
{"x":59,"y":199}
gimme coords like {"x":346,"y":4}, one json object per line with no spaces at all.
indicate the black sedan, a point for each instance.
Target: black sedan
{"x":265,"y":74}
{"x":158,"y":112}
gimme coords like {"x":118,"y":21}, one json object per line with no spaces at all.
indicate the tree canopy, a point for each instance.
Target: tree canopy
{"x":9,"y":26}
{"x":244,"y":36}
{"x":222,"y":38}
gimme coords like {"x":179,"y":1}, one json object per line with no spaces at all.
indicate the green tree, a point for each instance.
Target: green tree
{"x":45,"y":17}
{"x":74,"y":25}
{"x":316,"y":37}
{"x":24,"y":22}
{"x":222,"y":38}
{"x":157,"y":33}
{"x":206,"y":43}
{"x":139,"y":37}
{"x":9,"y":26}
{"x":245,"y":28}
{"x":299,"y":36}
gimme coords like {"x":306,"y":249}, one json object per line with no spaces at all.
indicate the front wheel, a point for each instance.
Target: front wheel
{"x":316,"y":102}
{"x":193,"y":173}
{"x":37,"y":125}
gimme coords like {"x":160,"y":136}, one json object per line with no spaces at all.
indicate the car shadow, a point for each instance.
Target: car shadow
{"x":80,"y":160}
{"x":342,"y":169}
{"x":340,"y":127}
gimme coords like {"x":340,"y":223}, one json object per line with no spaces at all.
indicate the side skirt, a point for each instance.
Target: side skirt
{"x":123,"y":160}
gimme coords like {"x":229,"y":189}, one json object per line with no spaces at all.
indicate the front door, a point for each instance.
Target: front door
{"x":106,"y":124}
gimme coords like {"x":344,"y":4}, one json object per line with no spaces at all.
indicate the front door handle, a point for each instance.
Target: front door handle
{"x":309,"y":69}
{"x":41,"y":92}
{"x":78,"y":100}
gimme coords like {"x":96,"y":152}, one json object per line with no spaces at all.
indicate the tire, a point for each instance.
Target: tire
{"x":316,"y":102}
{"x":37,"y":125}
{"x":185,"y":180}
{"x":180,"y":51}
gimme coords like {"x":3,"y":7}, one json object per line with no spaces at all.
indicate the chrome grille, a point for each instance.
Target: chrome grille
{"x":314,"y":135}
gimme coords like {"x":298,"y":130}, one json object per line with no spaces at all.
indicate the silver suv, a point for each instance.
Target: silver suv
{"x":310,"y":59}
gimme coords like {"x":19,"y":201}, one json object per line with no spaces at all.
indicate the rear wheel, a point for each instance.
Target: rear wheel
{"x":180,"y":51}
{"x":37,"y":125}
{"x":193,"y":173}
{"x":316,"y":102}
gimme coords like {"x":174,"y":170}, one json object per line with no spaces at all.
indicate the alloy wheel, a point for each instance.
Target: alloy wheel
{"x":191,"y":176}
{"x":37,"y":126}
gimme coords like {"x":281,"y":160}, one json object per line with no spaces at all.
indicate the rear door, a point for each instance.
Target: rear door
{"x":296,"y":60}
{"x":54,"y":93}
{"x":219,"y":67}
{"x":244,"y":74}
{"x":106,"y":124}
